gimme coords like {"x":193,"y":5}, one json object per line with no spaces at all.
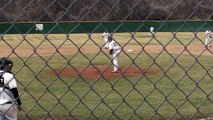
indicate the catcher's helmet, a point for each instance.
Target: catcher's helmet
{"x":4,"y":61}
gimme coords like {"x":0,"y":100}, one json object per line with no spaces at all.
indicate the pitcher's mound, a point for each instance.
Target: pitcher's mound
{"x":103,"y":71}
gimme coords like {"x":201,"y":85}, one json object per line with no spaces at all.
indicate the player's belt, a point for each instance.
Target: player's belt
{"x":4,"y":87}
{"x":9,"y":102}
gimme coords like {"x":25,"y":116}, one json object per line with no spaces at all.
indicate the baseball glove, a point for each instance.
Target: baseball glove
{"x":111,"y":51}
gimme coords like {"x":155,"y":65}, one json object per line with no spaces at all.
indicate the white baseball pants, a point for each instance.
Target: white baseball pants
{"x":8,"y":112}
{"x":115,"y":60}
{"x":106,"y":42}
{"x":208,"y":40}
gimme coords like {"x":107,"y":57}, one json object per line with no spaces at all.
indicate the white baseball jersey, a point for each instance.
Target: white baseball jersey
{"x":152,"y":29}
{"x":114,"y":45}
{"x":208,"y":33}
{"x":9,"y":82}
{"x":106,"y":35}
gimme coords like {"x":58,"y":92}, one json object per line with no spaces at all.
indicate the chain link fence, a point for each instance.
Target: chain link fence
{"x":163,"y":74}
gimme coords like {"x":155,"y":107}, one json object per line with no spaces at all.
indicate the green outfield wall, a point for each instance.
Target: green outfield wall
{"x":96,"y":27}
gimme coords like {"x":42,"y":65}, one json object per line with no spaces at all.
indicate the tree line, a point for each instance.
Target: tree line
{"x":104,"y":10}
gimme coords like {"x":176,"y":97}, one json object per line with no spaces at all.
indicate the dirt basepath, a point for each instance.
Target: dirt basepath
{"x":26,"y":51}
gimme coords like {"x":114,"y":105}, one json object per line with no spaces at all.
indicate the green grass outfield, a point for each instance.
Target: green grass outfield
{"x":182,"y":89}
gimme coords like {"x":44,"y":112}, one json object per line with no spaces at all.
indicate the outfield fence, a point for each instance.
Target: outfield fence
{"x":100,"y":27}
{"x":167,"y":74}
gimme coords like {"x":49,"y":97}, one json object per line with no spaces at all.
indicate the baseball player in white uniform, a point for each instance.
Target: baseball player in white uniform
{"x":152,"y":30}
{"x":9,"y":97}
{"x":114,"y":49}
{"x":208,"y":37}
{"x":105,"y":37}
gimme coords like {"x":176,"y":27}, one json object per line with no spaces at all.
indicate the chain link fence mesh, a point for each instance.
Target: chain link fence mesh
{"x":167,"y":75}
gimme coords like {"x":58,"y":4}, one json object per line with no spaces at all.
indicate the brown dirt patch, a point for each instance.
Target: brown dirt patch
{"x":103,"y":71}
{"x":28,"y":51}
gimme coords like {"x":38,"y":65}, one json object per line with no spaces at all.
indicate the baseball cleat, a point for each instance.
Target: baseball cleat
{"x":208,"y":46}
{"x":114,"y":71}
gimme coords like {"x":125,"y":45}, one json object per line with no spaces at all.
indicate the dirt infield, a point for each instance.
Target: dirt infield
{"x":25,"y":51}
{"x":103,"y":72}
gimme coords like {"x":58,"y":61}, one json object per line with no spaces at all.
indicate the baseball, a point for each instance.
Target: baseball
{"x":130,"y":50}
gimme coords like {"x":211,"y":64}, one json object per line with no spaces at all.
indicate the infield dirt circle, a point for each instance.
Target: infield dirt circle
{"x":103,"y":72}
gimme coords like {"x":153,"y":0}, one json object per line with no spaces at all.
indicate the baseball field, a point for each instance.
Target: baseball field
{"x":68,"y":76}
